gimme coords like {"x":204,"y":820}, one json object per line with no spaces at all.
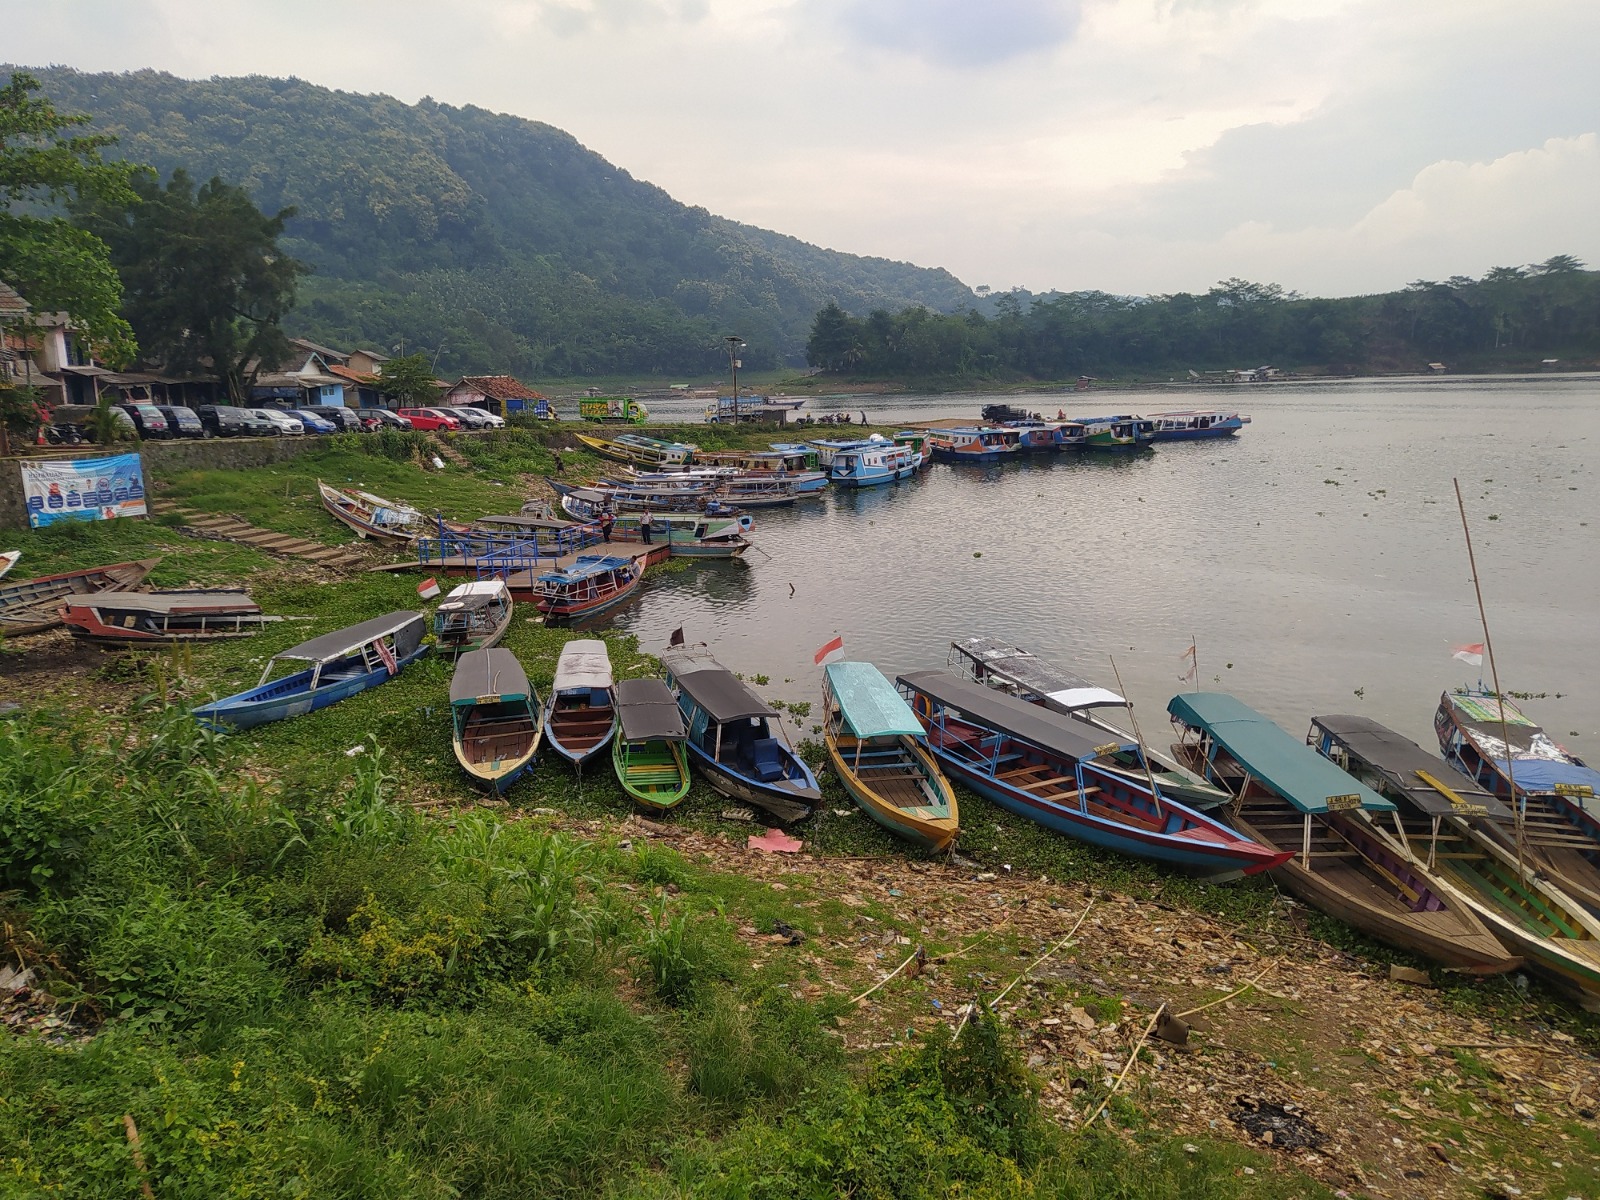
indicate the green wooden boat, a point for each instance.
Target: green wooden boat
{"x":648,"y":753}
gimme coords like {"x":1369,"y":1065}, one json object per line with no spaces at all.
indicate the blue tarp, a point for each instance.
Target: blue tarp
{"x":1542,"y":774}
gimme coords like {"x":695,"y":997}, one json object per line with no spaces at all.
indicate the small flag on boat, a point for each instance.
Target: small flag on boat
{"x":387,"y":655}
{"x":1471,"y":654}
{"x":428,"y":589}
{"x":829,"y":648}
{"x":677,"y":637}
{"x":1190,"y":662}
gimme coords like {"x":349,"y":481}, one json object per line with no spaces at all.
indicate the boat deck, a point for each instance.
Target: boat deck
{"x":521,"y":582}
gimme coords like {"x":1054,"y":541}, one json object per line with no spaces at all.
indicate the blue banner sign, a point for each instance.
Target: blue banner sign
{"x":83,"y":489}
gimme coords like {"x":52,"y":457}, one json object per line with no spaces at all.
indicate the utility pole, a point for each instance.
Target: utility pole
{"x":734,"y":346}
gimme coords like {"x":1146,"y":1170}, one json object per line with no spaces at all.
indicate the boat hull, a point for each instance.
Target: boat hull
{"x":935,"y":833}
{"x":1196,"y":435}
{"x":787,"y":802}
{"x":661,"y":783}
{"x":259,"y":707}
{"x":34,"y":605}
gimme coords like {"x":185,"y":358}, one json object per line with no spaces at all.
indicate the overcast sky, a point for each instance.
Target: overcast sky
{"x":1137,"y":146}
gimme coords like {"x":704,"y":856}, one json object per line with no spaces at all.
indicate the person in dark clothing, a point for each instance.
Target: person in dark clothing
{"x":561,"y":467}
{"x":606,"y":522}
{"x":645,"y":521}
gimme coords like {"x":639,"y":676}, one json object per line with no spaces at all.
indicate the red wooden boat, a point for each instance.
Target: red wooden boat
{"x":591,"y":585}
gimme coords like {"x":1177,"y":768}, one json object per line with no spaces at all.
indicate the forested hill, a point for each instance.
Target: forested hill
{"x":502,"y":238}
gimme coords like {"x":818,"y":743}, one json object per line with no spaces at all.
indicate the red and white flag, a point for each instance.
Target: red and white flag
{"x":830,"y":648}
{"x":1471,"y":654}
{"x":428,"y":589}
{"x":387,"y":655}
{"x":1190,"y":663}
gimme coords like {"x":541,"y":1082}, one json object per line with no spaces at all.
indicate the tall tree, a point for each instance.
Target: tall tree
{"x":409,"y":379}
{"x":206,"y":287}
{"x":57,"y":266}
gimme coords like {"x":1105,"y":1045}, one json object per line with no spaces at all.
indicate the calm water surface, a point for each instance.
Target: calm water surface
{"x":1316,"y":560}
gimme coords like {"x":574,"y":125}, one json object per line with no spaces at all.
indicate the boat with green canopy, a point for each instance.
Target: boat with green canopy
{"x":648,"y":753}
{"x":1287,"y":796}
{"x":879,"y":751}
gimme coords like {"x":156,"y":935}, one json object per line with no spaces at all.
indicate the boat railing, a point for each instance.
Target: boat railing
{"x":475,"y":544}
{"x":517,"y":557}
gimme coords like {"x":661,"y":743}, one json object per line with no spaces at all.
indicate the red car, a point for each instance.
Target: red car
{"x":429,"y":418}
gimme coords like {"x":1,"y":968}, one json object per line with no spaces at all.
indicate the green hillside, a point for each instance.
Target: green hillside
{"x":502,"y":238}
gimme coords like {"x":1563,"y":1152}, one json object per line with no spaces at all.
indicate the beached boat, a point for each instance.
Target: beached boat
{"x":1289,"y":797}
{"x":974,"y":445}
{"x":581,"y":715}
{"x":731,"y":740}
{"x":8,"y":559}
{"x":34,"y":605}
{"x":341,"y":664}
{"x":877,"y":461}
{"x":1048,"y":768}
{"x":1122,"y":435}
{"x":494,"y":715}
{"x":648,"y":752}
{"x":879,"y":751}
{"x":373,"y":516}
{"x":135,"y":619}
{"x":1196,"y":424}
{"x":474,"y":616}
{"x":1554,"y":787}
{"x":638,"y":449}
{"x":1016,"y":672}
{"x":591,"y":585}
{"x":1467,"y":836}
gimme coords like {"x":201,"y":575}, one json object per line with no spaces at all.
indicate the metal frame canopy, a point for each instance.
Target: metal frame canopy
{"x":1027,"y":671}
{"x":1290,"y":768}
{"x":480,"y":593}
{"x":584,"y":663}
{"x":1404,"y":764}
{"x":587,"y":566}
{"x":1052,"y":731}
{"x":340,"y":642}
{"x":648,"y":711}
{"x":713,"y":687}
{"x":868,"y":703}
{"x":488,"y":676}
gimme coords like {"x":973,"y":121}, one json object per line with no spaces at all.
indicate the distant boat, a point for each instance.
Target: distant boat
{"x":1124,"y":434}
{"x":974,"y":445}
{"x":154,"y":619}
{"x":474,"y":616}
{"x":591,"y":585}
{"x":8,"y":559}
{"x":731,"y":741}
{"x":1195,"y":424}
{"x":872,"y":464}
{"x":342,"y":663}
{"x":373,"y":516}
{"x":581,"y":715}
{"x":1289,"y":797}
{"x":34,"y":605}
{"x":798,"y":464}
{"x":648,"y":751}
{"x":494,"y":715}
{"x":879,"y":751}
{"x":640,"y":450}
{"x":917,"y":441}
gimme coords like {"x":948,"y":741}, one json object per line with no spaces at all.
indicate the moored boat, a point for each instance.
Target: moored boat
{"x":165,"y":618}
{"x":1122,"y":435}
{"x":474,"y":616}
{"x":1289,"y":797}
{"x":372,"y":516}
{"x":640,"y":450}
{"x":879,"y":751}
{"x":1195,"y":425}
{"x":731,"y":741}
{"x":494,"y":714}
{"x":972,"y":444}
{"x":591,"y":585}
{"x":872,"y":464}
{"x":581,"y":714}
{"x":648,"y":751}
{"x":1048,"y":768}
{"x":341,"y":664}
{"x":34,"y":605}
{"x":917,"y":441}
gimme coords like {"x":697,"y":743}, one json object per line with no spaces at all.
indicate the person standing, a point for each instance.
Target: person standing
{"x":645,"y":520}
{"x":606,"y":522}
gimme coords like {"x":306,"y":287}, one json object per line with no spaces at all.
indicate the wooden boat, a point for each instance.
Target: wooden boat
{"x":1553,"y":786}
{"x":872,"y":464}
{"x":826,"y":448}
{"x":1046,"y":767}
{"x":799,"y":465}
{"x":587,"y":503}
{"x":494,"y":716}
{"x":373,"y":516}
{"x":1467,"y":836}
{"x":731,"y":741}
{"x":638,"y":449}
{"x":591,"y":585}
{"x":1038,"y":436}
{"x":974,"y":444}
{"x":473,"y":616}
{"x":916,"y":440}
{"x":8,"y":559}
{"x":879,"y":751}
{"x":1122,"y":435}
{"x":1016,"y":672}
{"x":648,"y":751}
{"x":1196,"y":424}
{"x":164,"y":618}
{"x":342,"y":663}
{"x":1289,"y":797}
{"x":729,"y":547}
{"x":34,"y":605}
{"x":581,"y":715}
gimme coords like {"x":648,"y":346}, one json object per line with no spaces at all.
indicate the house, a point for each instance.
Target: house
{"x":500,"y":394}
{"x":360,"y":387}
{"x":366,"y":362}
{"x":304,"y":379}
{"x":42,"y":350}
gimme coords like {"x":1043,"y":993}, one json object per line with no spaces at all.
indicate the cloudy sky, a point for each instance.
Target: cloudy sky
{"x":1138,"y":146}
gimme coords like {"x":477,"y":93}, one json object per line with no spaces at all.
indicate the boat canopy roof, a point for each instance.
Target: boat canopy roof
{"x":583,"y":664}
{"x":649,"y":712}
{"x":870,"y":706}
{"x":488,"y":676}
{"x":1051,"y":731}
{"x":469,"y":597}
{"x":1031,"y":674}
{"x":1532,"y":759}
{"x":724,"y":696}
{"x":587,"y":565}
{"x":168,"y":602}
{"x":1402,"y":763}
{"x":1289,"y":767}
{"x":340,"y":642}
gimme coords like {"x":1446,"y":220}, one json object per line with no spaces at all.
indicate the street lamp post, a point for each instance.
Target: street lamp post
{"x":734,"y":346}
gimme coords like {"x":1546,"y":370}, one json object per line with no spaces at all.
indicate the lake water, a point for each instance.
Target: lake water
{"x":1316,"y":560}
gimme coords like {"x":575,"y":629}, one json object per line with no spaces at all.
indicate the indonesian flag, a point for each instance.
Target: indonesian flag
{"x":1472,"y":655}
{"x":387,"y":655}
{"x":830,"y":648}
{"x":428,"y":589}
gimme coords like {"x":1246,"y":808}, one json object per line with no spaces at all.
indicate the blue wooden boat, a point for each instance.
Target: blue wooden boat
{"x":1196,"y":424}
{"x":1046,"y":767}
{"x":826,"y":448}
{"x":342,"y":663}
{"x":731,"y":740}
{"x":1038,"y":437}
{"x":872,"y":464}
{"x":494,"y":715}
{"x":1289,"y":797}
{"x":974,"y":445}
{"x":581,"y":715}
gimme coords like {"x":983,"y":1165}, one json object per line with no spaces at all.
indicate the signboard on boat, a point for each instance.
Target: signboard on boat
{"x":1344,"y":803}
{"x":84,"y":489}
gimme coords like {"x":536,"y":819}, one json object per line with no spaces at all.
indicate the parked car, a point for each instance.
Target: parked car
{"x":76,"y":421}
{"x":470,"y":418}
{"x":383,"y":418}
{"x":282,"y":423}
{"x":346,"y":419}
{"x":314,"y":422}
{"x":430,"y":418}
{"x":224,"y":420}
{"x":148,"y":419}
{"x":184,"y":422}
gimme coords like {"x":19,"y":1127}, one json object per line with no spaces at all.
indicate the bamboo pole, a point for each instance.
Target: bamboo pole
{"x":1144,"y":752}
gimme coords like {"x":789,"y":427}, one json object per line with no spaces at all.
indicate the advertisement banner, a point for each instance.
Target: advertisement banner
{"x":83,"y":489}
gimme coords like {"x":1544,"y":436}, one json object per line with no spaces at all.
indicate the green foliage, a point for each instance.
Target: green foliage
{"x":409,"y":381}
{"x":22,"y":412}
{"x":108,"y":425}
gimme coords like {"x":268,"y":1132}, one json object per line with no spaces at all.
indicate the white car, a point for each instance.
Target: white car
{"x":283,"y":422}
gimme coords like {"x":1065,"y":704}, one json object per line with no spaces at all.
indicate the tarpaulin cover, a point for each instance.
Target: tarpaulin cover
{"x":1398,"y":760}
{"x":583,"y":664}
{"x":713,"y":687}
{"x":482,"y":674}
{"x":1052,"y":731}
{"x":870,"y":706}
{"x":407,"y":628}
{"x":649,"y":711}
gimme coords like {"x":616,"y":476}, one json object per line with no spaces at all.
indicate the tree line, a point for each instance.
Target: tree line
{"x":1510,"y":315}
